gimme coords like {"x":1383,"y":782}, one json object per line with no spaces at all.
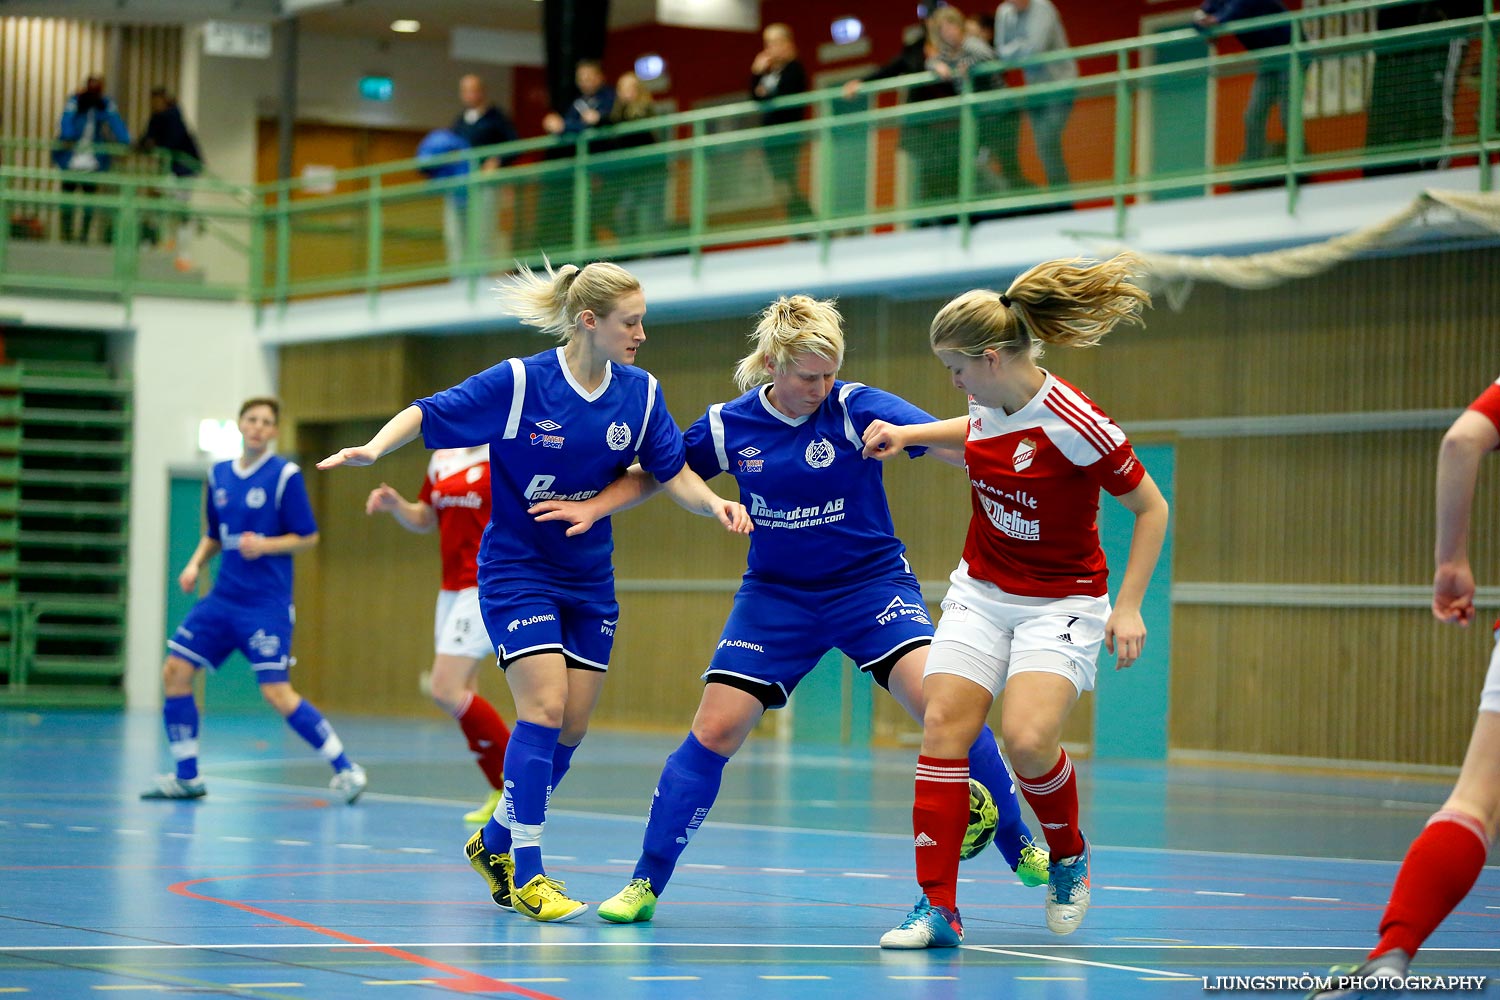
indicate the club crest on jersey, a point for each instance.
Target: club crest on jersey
{"x":1025,"y":453}
{"x":617,"y":437}
{"x":256,"y":498}
{"x":819,"y":454}
{"x":548,"y":425}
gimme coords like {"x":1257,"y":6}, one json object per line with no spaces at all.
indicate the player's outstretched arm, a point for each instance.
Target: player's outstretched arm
{"x":397,"y":431}
{"x":693,"y":495}
{"x":1471,"y":437}
{"x":1125,"y":632}
{"x":413,"y":515}
{"x":635,"y":487}
{"x":885,"y":440}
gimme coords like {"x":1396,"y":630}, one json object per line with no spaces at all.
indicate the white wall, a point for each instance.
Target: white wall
{"x":189,"y":361}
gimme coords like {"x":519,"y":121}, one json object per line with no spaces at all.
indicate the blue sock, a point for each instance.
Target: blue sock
{"x":685,"y":793}
{"x":181,"y":716}
{"x":528,"y":776}
{"x":307,"y":722}
{"x":986,"y":767}
{"x":496,"y":835}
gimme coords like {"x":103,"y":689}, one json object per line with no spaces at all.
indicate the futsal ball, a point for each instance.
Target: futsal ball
{"x":984,"y":816}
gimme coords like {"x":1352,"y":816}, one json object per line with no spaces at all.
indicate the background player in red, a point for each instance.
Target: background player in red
{"x":1444,"y":861}
{"x":455,"y":499}
{"x":1029,"y":607}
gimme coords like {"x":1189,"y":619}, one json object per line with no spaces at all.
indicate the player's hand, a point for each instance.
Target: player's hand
{"x":1125,"y":636}
{"x":883,"y":440}
{"x":381,"y":498}
{"x":761,"y":63}
{"x":851,"y":88}
{"x":187,"y":580}
{"x":578,"y":513}
{"x":1453,"y":593}
{"x":733,"y":516}
{"x":349,"y":456}
{"x":253,"y":546}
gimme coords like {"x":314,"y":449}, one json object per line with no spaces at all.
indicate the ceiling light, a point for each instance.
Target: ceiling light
{"x":406,"y":26}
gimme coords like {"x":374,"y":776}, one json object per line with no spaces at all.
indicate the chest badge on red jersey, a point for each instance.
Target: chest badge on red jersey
{"x":474,"y":474}
{"x":1025,"y":454}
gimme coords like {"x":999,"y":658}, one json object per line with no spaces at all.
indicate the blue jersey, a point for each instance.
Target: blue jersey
{"x":819,"y":508}
{"x":552,"y":440}
{"x":270,"y":499}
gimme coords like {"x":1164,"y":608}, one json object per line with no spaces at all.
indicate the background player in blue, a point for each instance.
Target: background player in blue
{"x":562,"y":424}
{"x":258,"y":517}
{"x":826,"y":570}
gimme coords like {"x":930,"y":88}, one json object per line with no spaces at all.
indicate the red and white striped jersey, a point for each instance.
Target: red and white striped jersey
{"x":457,"y":488}
{"x":1036,"y":475}
{"x":1488,"y":404}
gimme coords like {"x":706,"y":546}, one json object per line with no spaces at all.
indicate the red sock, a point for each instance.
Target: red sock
{"x":1054,"y":799}
{"x":488,"y":737}
{"x":1441,"y":867}
{"x":939,"y":817}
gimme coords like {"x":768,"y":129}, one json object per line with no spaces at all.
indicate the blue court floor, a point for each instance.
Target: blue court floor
{"x":267,"y":889}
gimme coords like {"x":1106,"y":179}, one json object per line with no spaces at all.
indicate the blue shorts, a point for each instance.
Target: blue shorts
{"x":776,"y":634}
{"x":521,"y":624}
{"x":215,"y":628}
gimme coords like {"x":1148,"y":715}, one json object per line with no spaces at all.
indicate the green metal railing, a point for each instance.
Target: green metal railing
{"x":1145,"y":128}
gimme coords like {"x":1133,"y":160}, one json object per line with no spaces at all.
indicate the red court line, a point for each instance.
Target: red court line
{"x":462,"y":981}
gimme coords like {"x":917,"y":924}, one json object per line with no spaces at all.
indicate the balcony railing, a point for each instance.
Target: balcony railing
{"x":1155,"y":117}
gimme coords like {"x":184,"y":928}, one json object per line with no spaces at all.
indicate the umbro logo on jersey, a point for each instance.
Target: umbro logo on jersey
{"x":749,"y":452}
{"x":925,"y":841}
{"x":548,"y":425}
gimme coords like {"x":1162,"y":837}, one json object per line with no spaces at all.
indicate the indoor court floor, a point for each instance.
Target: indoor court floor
{"x":267,"y":889}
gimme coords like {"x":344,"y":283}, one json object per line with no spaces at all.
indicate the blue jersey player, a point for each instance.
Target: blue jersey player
{"x":826,"y":570}
{"x":562,"y":424}
{"x":258,"y":517}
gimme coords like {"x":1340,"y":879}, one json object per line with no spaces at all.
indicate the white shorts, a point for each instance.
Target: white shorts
{"x":1489,"y":701}
{"x":1055,"y":635}
{"x":460,"y":627}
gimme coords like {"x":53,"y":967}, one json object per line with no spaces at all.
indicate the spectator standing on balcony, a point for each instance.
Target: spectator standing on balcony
{"x":591,"y":106}
{"x":1412,"y":90}
{"x":1269,"y":89}
{"x":777,"y":72}
{"x":952,"y":54}
{"x":1025,"y":30}
{"x":166,"y":131}
{"x":90,"y":119}
{"x":999,"y":127}
{"x":637,"y":192}
{"x":479,"y":123}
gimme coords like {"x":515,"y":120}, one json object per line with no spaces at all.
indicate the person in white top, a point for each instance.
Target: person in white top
{"x":1029,"y":606}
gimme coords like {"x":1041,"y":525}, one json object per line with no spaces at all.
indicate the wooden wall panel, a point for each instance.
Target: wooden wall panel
{"x":345,"y":379}
{"x":1365,"y":684}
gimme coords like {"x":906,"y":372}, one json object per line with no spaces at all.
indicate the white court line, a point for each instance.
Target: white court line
{"x":747,"y":945}
{"x":1210,"y":892}
{"x":845,"y":834}
{"x":864,"y":875}
{"x":992,"y":950}
{"x":1335,"y":899}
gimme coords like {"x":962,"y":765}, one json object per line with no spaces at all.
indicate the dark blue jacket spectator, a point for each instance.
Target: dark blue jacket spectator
{"x":1225,"y":11}
{"x":166,"y":130}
